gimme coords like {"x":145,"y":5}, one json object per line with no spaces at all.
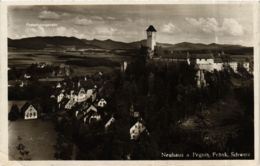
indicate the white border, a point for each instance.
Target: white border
{"x":3,"y":87}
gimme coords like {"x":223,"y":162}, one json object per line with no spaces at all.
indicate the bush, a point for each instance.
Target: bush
{"x":14,"y":113}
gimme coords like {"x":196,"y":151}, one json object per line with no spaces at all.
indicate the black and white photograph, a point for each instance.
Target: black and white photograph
{"x":131,"y":82}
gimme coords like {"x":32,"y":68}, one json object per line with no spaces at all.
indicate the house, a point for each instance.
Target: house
{"x":29,"y":111}
{"x":60,"y":97}
{"x":102,"y":103}
{"x":27,"y":76}
{"x":218,"y":64}
{"x":246,"y":65}
{"x":123,"y":66}
{"x":202,"y":61}
{"x":41,"y":65}
{"x":94,"y":118}
{"x":233,"y":65}
{"x":90,"y":108}
{"x":91,"y":94}
{"x":58,"y":85}
{"x":22,"y":84}
{"x":82,"y":95}
{"x":201,"y":82}
{"x":136,"y":130}
{"x":134,"y":113}
{"x":109,"y":122}
{"x":70,"y":104}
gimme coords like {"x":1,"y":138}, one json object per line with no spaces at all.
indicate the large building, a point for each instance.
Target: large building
{"x":202,"y":61}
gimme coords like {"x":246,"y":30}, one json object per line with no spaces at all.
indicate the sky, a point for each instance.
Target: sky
{"x":222,"y":23}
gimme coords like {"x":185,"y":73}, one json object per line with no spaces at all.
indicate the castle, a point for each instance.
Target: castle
{"x":202,"y":61}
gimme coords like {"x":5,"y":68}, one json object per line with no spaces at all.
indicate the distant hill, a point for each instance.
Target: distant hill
{"x":59,"y":41}
{"x":43,"y":42}
{"x":109,"y":44}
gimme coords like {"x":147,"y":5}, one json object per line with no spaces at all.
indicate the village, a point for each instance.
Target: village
{"x":88,"y":102}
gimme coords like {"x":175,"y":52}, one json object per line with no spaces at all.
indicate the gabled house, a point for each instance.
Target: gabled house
{"x":27,"y":76}
{"x":136,"y":130}
{"x":60,"y":97}
{"x":29,"y":111}
{"x":95,"y":117}
{"x":133,"y":113}
{"x":22,"y":84}
{"x":70,"y":104}
{"x":58,"y":85}
{"x":202,"y":61}
{"x":91,"y":117}
{"x":90,"y":108}
{"x":102,"y":103}
{"x":200,"y":78}
{"x":218,"y":64}
{"x":109,"y":122}
{"x":91,"y":94}
{"x":82,"y":95}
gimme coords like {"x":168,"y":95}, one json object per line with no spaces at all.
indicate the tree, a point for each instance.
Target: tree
{"x":14,"y":113}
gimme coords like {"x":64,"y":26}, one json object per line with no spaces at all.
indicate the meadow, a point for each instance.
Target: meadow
{"x":86,"y":63}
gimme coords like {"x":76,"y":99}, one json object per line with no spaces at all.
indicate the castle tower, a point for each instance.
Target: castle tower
{"x":151,"y":37}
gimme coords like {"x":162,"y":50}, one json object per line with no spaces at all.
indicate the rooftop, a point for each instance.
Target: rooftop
{"x":151,"y":29}
{"x":202,"y":56}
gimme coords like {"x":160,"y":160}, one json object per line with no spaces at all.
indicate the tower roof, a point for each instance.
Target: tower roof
{"x":151,"y":29}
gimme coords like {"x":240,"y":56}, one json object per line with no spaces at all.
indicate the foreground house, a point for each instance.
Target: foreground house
{"x":91,"y":94}
{"x":82,"y":95}
{"x":102,"y":103}
{"x":109,"y":122}
{"x":202,"y":61}
{"x":200,"y":78}
{"x":133,"y":113}
{"x":90,"y":108}
{"x":70,"y":104}
{"x":29,"y":111}
{"x":60,"y":97}
{"x":95,"y":117}
{"x":136,"y":130}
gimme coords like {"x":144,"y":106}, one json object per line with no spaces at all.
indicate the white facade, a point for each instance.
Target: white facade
{"x":151,"y":39}
{"x":58,"y":85}
{"x":60,"y":97}
{"x":124,"y":66}
{"x":102,"y":103}
{"x":27,"y":76}
{"x":201,"y":82}
{"x":82,"y":95}
{"x":89,"y":93}
{"x":246,"y":65}
{"x":91,"y":108}
{"x":109,"y":122}
{"x":94,"y":118}
{"x":205,"y":64}
{"x":136,"y":130}
{"x":204,"y":61}
{"x":30,"y":113}
{"x":70,"y":104}
{"x":218,"y":66}
{"x":233,"y":65}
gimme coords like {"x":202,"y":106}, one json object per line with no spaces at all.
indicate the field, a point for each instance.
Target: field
{"x":38,"y":137}
{"x":82,"y":64}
